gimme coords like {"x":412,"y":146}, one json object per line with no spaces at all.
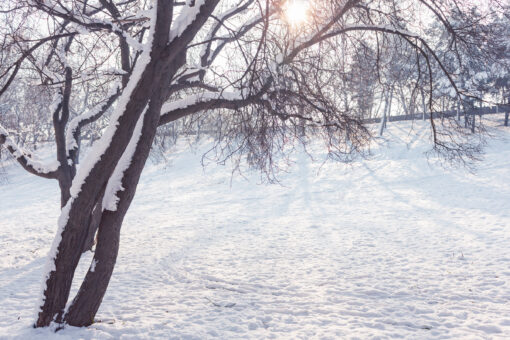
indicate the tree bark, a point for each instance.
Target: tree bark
{"x":93,"y":226}
{"x":86,"y":303}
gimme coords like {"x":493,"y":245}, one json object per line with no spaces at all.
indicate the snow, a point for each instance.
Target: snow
{"x":57,"y":100}
{"x":53,"y":252}
{"x":185,"y":18}
{"x":33,"y":161}
{"x":114,"y":185}
{"x":193,"y":99}
{"x":93,"y":266}
{"x":389,"y":247}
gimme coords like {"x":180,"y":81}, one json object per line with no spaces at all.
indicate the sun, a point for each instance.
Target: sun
{"x":296,"y":12}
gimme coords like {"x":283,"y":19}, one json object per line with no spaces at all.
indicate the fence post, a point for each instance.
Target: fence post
{"x":506,"y":113}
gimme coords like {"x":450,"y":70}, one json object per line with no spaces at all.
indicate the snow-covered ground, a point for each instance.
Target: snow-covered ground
{"x":389,"y":247}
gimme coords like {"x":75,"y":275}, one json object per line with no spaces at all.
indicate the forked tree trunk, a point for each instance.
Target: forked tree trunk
{"x":75,"y":217}
{"x":146,"y":92}
{"x":58,"y":282}
{"x":407,"y":111}
{"x":387,"y":108}
{"x":86,"y":303}
{"x":423,"y":105}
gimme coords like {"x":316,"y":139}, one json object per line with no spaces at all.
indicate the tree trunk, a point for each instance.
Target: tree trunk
{"x":407,"y":111}
{"x":75,"y":217}
{"x":424,"y":106}
{"x":506,"y":114}
{"x":389,"y":107}
{"x":59,"y":280}
{"x":86,"y":303}
{"x":383,"y":118}
{"x":93,"y":226}
{"x":143,"y":95}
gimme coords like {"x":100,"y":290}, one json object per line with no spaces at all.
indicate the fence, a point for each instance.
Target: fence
{"x":449,"y":113}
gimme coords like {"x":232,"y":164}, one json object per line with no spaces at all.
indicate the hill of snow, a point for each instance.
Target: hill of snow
{"x":388,"y":247}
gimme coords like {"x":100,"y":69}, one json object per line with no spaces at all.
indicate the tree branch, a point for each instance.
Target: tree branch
{"x":25,"y":159}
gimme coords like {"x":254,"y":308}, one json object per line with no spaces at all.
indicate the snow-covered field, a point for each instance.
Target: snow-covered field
{"x":389,"y":247}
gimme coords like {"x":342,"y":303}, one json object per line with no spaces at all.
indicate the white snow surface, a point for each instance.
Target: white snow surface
{"x":389,"y":247}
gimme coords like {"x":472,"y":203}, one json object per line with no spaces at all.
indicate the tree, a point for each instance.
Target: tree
{"x":244,"y":65}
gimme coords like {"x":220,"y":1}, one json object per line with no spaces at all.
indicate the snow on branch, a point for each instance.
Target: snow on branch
{"x":187,"y":16}
{"x":101,"y":146}
{"x":84,"y":21}
{"x":194,"y":99}
{"x":207,"y":101}
{"x":25,"y":159}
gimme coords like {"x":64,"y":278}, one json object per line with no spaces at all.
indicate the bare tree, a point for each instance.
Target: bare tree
{"x":242,"y":66}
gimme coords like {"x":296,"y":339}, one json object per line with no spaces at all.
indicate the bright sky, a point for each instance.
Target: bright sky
{"x":296,"y":11}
